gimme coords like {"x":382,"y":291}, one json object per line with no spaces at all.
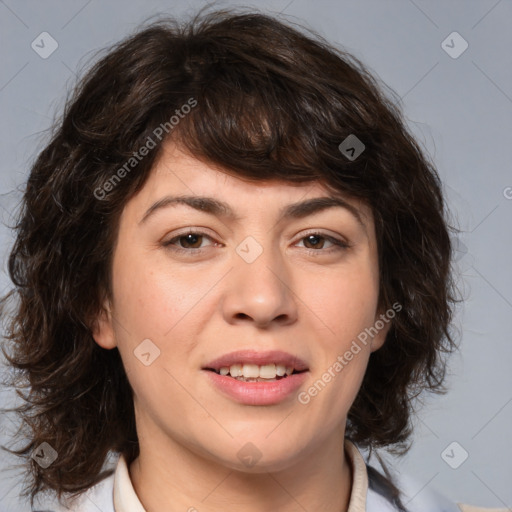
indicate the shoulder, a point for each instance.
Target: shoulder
{"x":98,"y":497}
{"x":413,"y":496}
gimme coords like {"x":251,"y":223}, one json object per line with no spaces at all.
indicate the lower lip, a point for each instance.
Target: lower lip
{"x":257,"y":393}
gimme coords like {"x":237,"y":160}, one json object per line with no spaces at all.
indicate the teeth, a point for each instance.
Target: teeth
{"x":253,"y":371}
{"x":250,"y":370}
{"x":236,"y":370}
{"x":280,"y":370}
{"x":267,"y":372}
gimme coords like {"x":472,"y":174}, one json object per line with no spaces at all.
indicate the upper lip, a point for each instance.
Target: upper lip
{"x":258,"y":358}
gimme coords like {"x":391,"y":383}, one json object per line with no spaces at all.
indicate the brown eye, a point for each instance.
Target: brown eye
{"x":314,"y":240}
{"x":315,"y":243}
{"x":190,"y":242}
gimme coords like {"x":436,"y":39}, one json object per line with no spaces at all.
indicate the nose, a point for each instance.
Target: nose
{"x":260,"y":291}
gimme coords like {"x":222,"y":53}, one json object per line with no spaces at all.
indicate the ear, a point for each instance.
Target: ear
{"x":383,"y":324}
{"x":102,"y":327}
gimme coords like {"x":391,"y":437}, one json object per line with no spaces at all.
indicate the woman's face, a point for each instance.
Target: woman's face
{"x":253,"y":281}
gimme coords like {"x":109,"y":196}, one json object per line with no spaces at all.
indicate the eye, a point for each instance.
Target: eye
{"x":189,"y":241}
{"x":316,"y":241}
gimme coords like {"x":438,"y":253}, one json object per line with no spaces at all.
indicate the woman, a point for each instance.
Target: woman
{"x":233,"y":270}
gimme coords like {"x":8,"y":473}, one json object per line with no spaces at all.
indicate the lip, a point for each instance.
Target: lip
{"x":256,"y":393}
{"x":257,"y":357}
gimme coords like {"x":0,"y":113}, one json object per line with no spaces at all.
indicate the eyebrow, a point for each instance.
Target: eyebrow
{"x":221,"y":209}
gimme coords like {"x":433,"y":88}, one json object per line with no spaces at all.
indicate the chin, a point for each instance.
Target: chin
{"x":258,"y":454}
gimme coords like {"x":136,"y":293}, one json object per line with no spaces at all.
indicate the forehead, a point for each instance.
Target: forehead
{"x":178,"y":177}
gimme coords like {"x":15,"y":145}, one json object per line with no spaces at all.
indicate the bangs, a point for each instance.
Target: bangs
{"x":245,"y":131}
{"x":262,"y":124}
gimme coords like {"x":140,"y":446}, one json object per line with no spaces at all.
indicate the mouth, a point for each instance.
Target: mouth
{"x":247,"y":372}
{"x":261,"y":381}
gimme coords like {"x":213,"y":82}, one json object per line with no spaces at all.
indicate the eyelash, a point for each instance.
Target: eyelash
{"x":339,"y":245}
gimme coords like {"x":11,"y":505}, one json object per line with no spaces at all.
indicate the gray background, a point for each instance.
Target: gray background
{"x":459,"y":109}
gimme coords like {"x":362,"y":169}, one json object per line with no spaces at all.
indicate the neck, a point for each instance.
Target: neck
{"x":169,"y":476}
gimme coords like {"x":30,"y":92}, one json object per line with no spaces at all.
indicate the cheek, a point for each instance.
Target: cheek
{"x":343,"y":303}
{"x":165,"y":306}
{"x":155,"y":340}
{"x":151,"y":298}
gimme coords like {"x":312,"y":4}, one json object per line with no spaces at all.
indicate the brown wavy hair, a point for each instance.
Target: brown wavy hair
{"x":274,"y":101}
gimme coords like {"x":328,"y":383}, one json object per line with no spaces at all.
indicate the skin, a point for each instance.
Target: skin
{"x":195,"y":308}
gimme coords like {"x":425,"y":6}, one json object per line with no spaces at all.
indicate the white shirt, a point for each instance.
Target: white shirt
{"x":116,"y":493}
